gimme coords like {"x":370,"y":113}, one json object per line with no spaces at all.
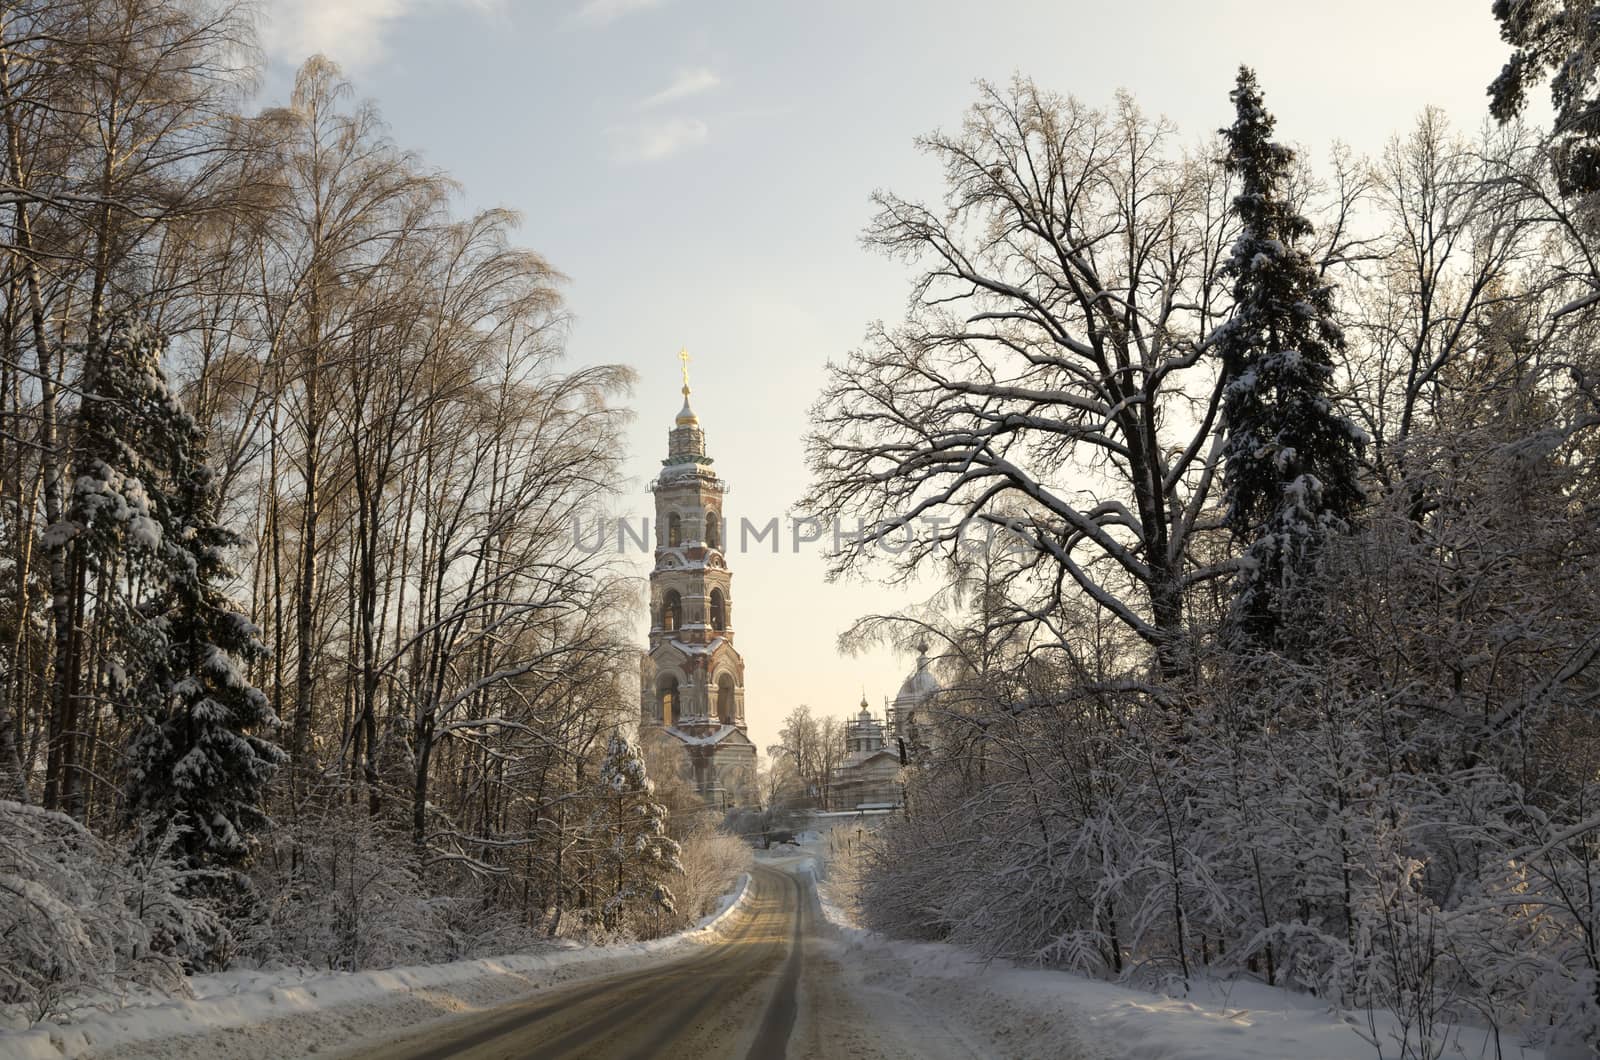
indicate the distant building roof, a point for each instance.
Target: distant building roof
{"x":860,"y":758}
{"x":721,"y":733}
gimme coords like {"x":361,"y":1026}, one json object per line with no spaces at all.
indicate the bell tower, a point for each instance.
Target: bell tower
{"x":692,"y":678}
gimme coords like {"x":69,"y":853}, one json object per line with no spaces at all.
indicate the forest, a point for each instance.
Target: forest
{"x":298,"y":659}
{"x":1261,"y":482}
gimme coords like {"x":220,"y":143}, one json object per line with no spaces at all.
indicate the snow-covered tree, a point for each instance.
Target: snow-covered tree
{"x":111,"y":529}
{"x":1290,"y":457}
{"x":380,"y":380}
{"x":143,"y":523}
{"x":1046,"y":393}
{"x":200,"y":754}
{"x":1557,"y":39}
{"x":630,"y":829}
{"x":814,"y":747}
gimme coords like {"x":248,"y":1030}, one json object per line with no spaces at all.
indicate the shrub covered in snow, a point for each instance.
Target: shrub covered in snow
{"x":342,"y":890}
{"x":711,"y":859}
{"x":78,"y":915}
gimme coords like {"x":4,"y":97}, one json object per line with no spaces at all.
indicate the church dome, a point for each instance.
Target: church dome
{"x":920,"y":683}
{"x":686,"y":416}
{"x":686,"y":441}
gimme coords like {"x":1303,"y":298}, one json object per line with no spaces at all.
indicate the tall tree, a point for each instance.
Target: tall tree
{"x":200,"y":756}
{"x":814,"y":747}
{"x":117,"y":122}
{"x":1049,"y":386}
{"x":148,"y":549}
{"x":111,"y":531}
{"x":1290,"y":458}
{"x":353,"y":200}
{"x":379,"y":378}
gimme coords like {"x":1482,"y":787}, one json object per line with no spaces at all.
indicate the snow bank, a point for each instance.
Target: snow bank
{"x":1014,"y":1006}
{"x":734,"y":899}
{"x":274,"y":1006}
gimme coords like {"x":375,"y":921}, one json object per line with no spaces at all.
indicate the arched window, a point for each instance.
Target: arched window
{"x":719,"y":611}
{"x":671,"y":611}
{"x":674,"y":531}
{"x":667,"y":704}
{"x":713,"y":532}
{"x":725,"y":703}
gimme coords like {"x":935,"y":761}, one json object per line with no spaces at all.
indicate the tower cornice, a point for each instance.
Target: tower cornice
{"x":696,"y":474}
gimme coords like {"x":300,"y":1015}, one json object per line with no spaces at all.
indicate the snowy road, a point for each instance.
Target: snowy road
{"x":769,"y":991}
{"x":777,"y":974}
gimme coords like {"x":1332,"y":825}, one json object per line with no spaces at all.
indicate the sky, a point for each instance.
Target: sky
{"x":701,"y":170}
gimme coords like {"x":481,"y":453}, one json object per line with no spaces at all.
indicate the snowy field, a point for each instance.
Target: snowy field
{"x":237,"y":1014}
{"x":1050,"y":1010}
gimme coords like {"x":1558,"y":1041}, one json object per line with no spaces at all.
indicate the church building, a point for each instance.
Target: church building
{"x":869,"y":776}
{"x":692,"y":678}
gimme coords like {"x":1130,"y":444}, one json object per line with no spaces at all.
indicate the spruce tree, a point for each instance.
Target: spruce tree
{"x":109,"y":532}
{"x":144,"y":516}
{"x":1290,"y":459}
{"x":1555,"y":39}
{"x":201,"y":758}
{"x":637,"y":856}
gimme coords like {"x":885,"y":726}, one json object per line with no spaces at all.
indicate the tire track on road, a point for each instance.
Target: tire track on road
{"x":663,"y":1010}
{"x":772,"y":1040}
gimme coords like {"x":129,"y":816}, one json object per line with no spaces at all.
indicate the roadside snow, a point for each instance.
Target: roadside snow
{"x":725,"y":906}
{"x":1019,"y":1011}
{"x":238,"y":1014}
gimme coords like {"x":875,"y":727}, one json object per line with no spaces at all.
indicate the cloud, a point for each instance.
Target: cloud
{"x":348,"y":31}
{"x":688,"y":83}
{"x":653,"y":141}
{"x":600,"y":12}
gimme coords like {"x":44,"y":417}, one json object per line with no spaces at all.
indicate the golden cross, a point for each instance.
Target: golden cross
{"x":683,"y":355}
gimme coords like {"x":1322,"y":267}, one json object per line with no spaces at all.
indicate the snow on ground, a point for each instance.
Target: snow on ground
{"x":1027,"y":1012}
{"x":275,"y":1014}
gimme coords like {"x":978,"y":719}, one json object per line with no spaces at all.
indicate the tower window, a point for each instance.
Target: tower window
{"x":713,"y":533}
{"x":671,"y":611}
{"x":674,"y":531}
{"x":719,"y":611}
{"x":725,"y":699}
{"x":667,"y":705}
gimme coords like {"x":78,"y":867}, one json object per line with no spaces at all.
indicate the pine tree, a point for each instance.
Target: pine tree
{"x":1290,"y":459}
{"x":145,"y":500}
{"x":636,"y":854}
